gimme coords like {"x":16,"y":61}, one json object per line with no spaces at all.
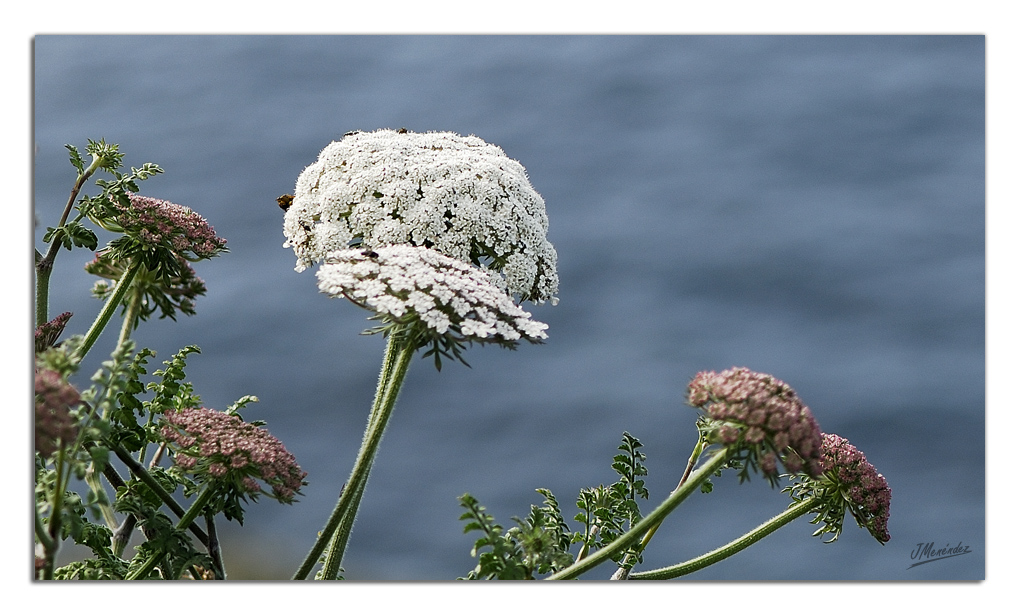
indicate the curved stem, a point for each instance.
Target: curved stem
{"x":623,"y":572}
{"x":653,"y":519}
{"x":139,"y":471}
{"x":396,"y":361}
{"x":107,"y":312}
{"x":748,"y":539}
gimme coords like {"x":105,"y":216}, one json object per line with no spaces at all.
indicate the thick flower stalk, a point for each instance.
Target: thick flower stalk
{"x":436,"y":299}
{"x":217,"y":446}
{"x":54,"y":425}
{"x":458,"y":195}
{"x":761,"y":416}
{"x":847,"y":483}
{"x":424,"y":299}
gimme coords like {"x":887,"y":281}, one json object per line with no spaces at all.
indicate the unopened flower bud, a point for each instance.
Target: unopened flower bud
{"x":767,"y":413}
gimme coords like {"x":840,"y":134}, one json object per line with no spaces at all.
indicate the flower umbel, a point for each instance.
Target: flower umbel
{"x":848,"y":482}
{"x":458,"y":195}
{"x":432,"y":298}
{"x":221,"y":446}
{"x":760,"y":414}
{"x":54,"y":398}
{"x":156,"y":225}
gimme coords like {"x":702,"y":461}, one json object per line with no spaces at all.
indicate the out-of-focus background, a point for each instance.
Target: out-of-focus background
{"x":810,"y":207}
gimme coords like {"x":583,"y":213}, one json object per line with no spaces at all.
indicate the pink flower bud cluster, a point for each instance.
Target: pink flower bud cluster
{"x":865,"y":491}
{"x":46,"y":334}
{"x":223,"y":446}
{"x":54,"y":398}
{"x":762,"y":413}
{"x":158,"y":223}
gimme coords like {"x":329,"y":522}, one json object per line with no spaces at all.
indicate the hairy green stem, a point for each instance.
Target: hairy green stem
{"x":338,"y":546}
{"x":653,"y":519}
{"x":189,"y":517}
{"x":397,"y":367}
{"x":396,"y":361}
{"x":107,"y":312}
{"x":748,"y":539}
{"x":336,"y":549}
{"x":132,"y":307}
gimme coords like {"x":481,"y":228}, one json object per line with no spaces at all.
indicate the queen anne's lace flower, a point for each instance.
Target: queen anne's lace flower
{"x":156,"y":224}
{"x":458,"y":195}
{"x":763,"y":414}
{"x":863,"y":490}
{"x":223,"y":446}
{"x":420,"y":287}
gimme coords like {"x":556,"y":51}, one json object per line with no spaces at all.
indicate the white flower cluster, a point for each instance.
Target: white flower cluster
{"x":458,"y":195}
{"x":444,"y":294}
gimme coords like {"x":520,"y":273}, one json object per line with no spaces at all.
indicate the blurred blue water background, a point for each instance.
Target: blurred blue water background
{"x":811,"y":207}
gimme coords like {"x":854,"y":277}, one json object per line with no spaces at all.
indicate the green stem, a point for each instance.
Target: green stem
{"x":397,"y":369}
{"x":47,"y":544}
{"x":396,"y":361}
{"x":384,"y":393}
{"x":189,"y":517}
{"x":130,"y":314}
{"x":103,"y":499}
{"x":624,"y":571}
{"x":44,"y":264}
{"x":338,"y":546}
{"x":56,"y":518}
{"x":139,"y":471}
{"x":107,"y":312}
{"x":653,"y":519}
{"x":748,"y":539}
{"x":219,"y":571}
